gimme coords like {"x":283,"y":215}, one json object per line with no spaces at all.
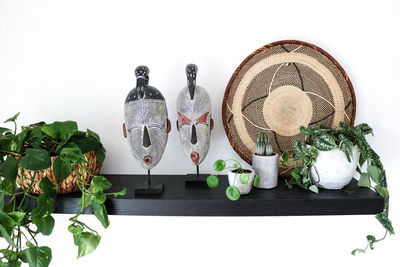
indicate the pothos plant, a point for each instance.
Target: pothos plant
{"x":232,"y":192}
{"x":344,"y":138}
{"x":23,"y":216}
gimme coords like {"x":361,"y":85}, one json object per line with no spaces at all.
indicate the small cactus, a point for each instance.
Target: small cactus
{"x":263,"y":148}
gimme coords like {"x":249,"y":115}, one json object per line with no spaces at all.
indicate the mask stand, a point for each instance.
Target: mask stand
{"x":196,"y":180}
{"x":149,"y":189}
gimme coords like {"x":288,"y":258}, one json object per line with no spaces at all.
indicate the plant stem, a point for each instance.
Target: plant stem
{"x":10,"y":152}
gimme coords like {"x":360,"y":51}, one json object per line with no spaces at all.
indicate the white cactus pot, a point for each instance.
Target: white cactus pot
{"x":266,"y":167}
{"x":332,"y":170}
{"x":234,"y":180}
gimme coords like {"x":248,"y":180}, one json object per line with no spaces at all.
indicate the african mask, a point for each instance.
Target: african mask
{"x":194,"y":118}
{"x":146,"y":121}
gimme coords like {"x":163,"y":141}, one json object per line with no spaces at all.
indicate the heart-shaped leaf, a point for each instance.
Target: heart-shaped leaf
{"x":35,"y":159}
{"x":62,"y":169}
{"x":36,"y":256}
{"x":87,"y":243}
{"x":9,"y":169}
{"x":101,"y":183}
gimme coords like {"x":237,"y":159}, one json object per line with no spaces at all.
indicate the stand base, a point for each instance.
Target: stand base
{"x":149,"y":190}
{"x":193,"y":180}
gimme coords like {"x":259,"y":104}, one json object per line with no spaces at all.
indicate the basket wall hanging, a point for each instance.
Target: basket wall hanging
{"x":280,"y":87}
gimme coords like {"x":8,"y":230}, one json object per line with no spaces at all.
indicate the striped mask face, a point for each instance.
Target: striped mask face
{"x":194,"y":123}
{"x":147,"y":129}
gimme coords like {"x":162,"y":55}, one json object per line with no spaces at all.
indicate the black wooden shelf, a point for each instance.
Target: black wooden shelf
{"x":179,"y":200}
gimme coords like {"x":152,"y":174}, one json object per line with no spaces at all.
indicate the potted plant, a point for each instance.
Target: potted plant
{"x":265,"y":163}
{"x":240,"y":180}
{"x":42,"y":157}
{"x":323,"y":145}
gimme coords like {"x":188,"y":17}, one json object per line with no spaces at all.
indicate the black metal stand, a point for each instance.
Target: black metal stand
{"x":148,"y":189}
{"x":196,"y":180}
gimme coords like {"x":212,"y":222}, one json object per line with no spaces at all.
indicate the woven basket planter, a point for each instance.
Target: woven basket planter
{"x":69,"y":185}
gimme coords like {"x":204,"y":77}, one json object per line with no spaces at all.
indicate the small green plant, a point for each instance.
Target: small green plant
{"x":232,"y":192}
{"x":31,"y":149}
{"x":344,"y":138}
{"x":263,"y":147}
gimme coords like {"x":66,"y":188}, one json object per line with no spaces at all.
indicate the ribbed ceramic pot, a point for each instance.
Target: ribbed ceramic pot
{"x":266,"y":167}
{"x":332,"y":170}
{"x":234,"y":180}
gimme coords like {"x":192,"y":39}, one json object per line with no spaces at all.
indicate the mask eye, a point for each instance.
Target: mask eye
{"x":203,"y":118}
{"x":184,"y":119}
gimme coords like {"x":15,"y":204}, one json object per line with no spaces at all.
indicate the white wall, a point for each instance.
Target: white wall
{"x":75,"y":60}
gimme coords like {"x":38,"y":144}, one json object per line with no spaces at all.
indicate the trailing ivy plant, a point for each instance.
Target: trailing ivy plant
{"x":232,"y":192}
{"x":344,"y":138}
{"x":23,"y":216}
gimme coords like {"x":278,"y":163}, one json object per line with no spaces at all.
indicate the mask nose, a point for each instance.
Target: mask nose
{"x":193,"y":140}
{"x":146,"y":138}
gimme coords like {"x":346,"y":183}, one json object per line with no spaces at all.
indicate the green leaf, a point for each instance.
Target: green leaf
{"x":313,"y":188}
{"x":212,"y":181}
{"x":100,"y":197}
{"x":73,"y":155}
{"x":101,"y":183}
{"x":244,"y":178}
{"x":4,"y":130}
{"x":382,"y":191}
{"x":62,"y":169}
{"x":305,"y":131}
{"x":9,"y":221}
{"x":120,"y":193}
{"x":60,"y":130}
{"x":365,"y":128}
{"x":357,"y":250}
{"x":233,"y":193}
{"x":313,"y":153}
{"x":13,"y":118}
{"x":284,"y":157}
{"x":299,"y":147}
{"x":364,"y":180}
{"x":374,"y":173}
{"x":101,"y":154}
{"x":76,"y":231}
{"x":12,"y":257}
{"x":35,"y":159}
{"x":36,"y":256}
{"x":295,"y":174}
{"x":219,"y":165}
{"x":346,"y":146}
{"x":87,"y":243}
{"x":44,"y":206}
{"x":17,"y":216}
{"x":256,"y":181}
{"x":101,"y":213}
{"x":386,"y":223}
{"x":371,"y":238}
{"x":18,"y":141}
{"x":324,"y":142}
{"x":7,"y":237}
{"x":44,"y":224}
{"x":9,"y":169}
{"x":48,"y":187}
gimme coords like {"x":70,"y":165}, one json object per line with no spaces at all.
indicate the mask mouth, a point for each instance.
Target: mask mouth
{"x":195,"y":157}
{"x":147,"y":160}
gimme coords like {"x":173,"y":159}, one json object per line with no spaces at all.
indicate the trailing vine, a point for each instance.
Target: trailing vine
{"x":344,"y":138}
{"x":23,"y":216}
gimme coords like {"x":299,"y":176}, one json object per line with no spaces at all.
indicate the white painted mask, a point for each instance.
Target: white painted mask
{"x":146,"y":121}
{"x":194,"y":118}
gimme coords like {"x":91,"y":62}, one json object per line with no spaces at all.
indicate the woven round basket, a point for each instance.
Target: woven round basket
{"x":69,"y":185}
{"x":280,"y":87}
